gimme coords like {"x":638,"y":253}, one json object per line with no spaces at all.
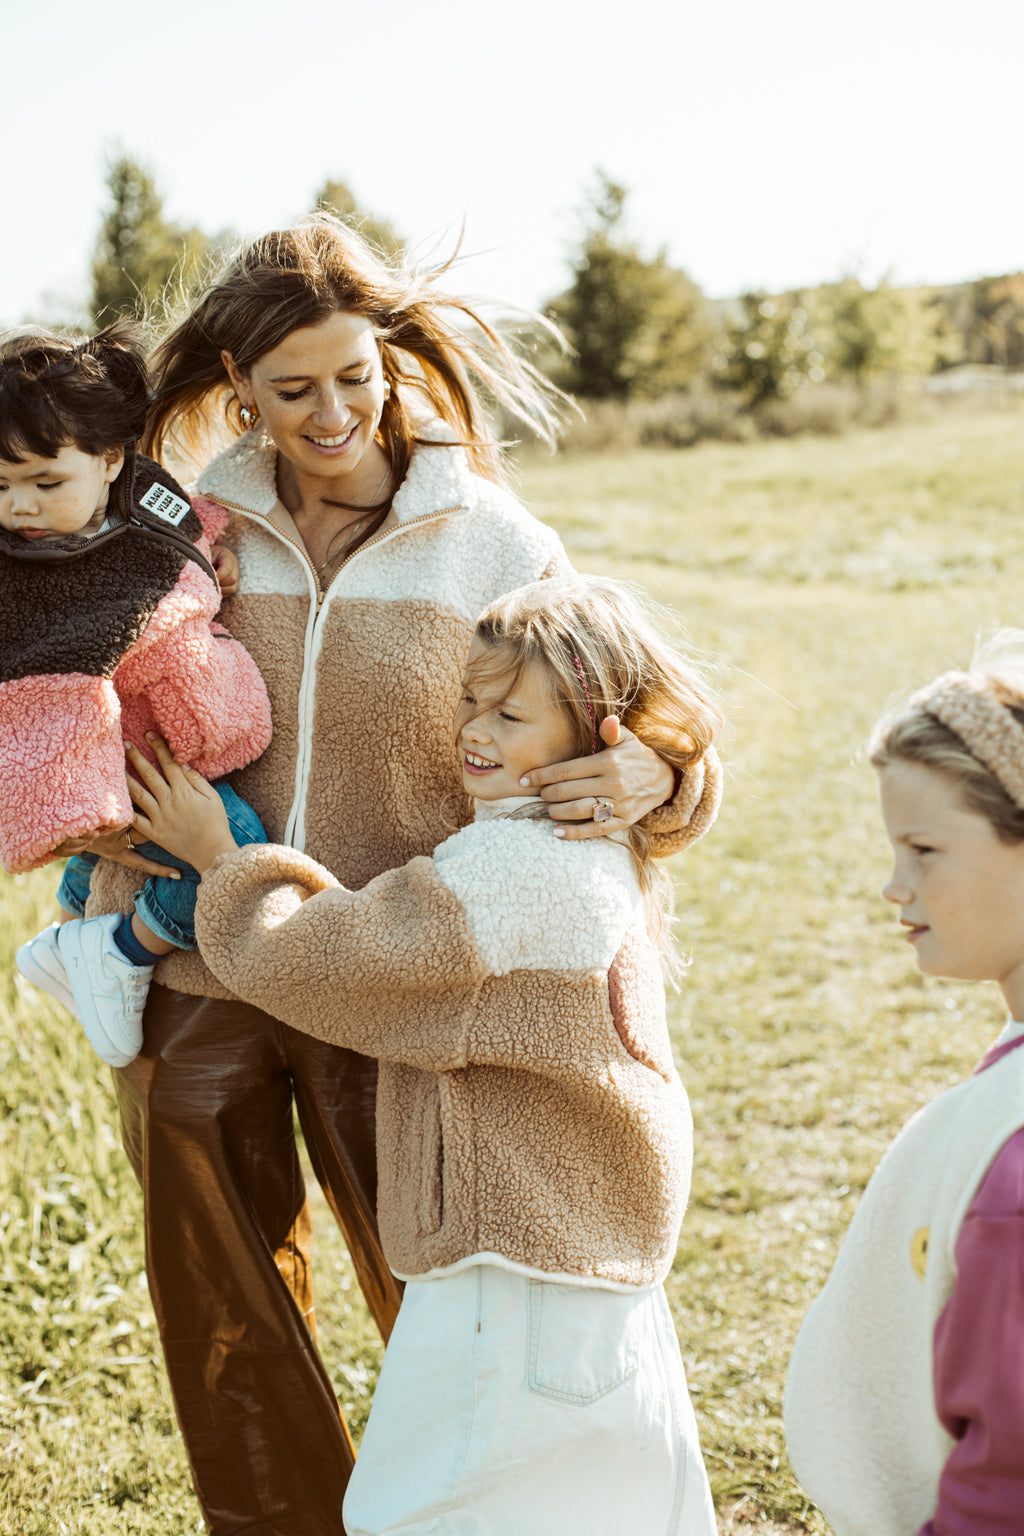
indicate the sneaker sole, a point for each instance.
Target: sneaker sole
{"x":106,"y":1049}
{"x":55,"y":986}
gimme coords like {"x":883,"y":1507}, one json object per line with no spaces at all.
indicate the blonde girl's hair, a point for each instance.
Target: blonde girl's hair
{"x":438,"y":353}
{"x":990,"y":714}
{"x":602,"y":645}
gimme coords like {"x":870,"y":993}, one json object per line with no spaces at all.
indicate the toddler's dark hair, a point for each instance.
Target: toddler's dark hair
{"x":55,"y":391}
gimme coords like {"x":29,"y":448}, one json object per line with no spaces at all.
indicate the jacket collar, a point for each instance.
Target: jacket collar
{"x":438,"y":479}
{"x":1010,"y":1038}
{"x":513,"y":806}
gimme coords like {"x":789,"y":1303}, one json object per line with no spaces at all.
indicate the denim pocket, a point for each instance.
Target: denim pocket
{"x":584,"y":1341}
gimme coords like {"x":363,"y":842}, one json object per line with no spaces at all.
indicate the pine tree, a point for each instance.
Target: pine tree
{"x":639,"y":327}
{"x":338,"y":197}
{"x":138,"y":252}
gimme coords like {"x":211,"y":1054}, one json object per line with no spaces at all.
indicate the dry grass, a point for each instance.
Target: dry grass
{"x":825,"y":574}
{"x":708,"y":414}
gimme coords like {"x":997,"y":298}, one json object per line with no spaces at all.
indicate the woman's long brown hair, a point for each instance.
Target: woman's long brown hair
{"x":438,"y":354}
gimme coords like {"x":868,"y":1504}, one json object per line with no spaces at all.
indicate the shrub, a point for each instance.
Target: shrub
{"x":768,"y":350}
{"x":708,"y":415}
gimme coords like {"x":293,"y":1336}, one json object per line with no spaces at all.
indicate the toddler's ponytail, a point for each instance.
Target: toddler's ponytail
{"x":55,"y":392}
{"x":121,"y":367}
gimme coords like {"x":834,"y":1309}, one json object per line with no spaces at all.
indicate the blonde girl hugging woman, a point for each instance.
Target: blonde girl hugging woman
{"x":534,"y":1138}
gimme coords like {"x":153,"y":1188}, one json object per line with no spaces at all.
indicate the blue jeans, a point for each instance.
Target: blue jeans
{"x":167,"y":907}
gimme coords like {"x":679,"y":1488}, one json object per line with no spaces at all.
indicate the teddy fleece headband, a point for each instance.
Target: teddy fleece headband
{"x":987,"y":729}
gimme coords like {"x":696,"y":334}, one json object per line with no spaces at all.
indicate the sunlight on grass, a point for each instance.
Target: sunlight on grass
{"x":825,"y":575}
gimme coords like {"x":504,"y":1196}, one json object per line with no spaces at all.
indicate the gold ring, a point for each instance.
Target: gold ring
{"x":604,"y":809}
{"x":128,"y":837}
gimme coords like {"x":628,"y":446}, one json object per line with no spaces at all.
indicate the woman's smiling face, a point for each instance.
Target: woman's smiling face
{"x":506,"y":729}
{"x":320,"y":394}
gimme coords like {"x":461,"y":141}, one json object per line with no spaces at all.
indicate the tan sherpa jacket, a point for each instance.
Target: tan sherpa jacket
{"x":364,"y":677}
{"x":528,"y":1111}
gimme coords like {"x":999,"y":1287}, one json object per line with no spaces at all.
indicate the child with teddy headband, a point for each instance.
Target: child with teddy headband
{"x":905,"y":1397}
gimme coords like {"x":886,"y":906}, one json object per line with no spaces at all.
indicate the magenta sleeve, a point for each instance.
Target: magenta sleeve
{"x":979,"y":1360}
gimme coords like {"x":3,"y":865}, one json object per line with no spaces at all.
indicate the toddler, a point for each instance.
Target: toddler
{"x":534,"y":1139}
{"x":905,"y":1398}
{"x":109,"y":594}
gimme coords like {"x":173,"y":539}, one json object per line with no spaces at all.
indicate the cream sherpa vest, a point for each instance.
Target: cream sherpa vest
{"x":862,"y":1431}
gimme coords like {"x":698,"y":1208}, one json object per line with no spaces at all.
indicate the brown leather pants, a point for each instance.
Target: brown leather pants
{"x":206,"y":1118}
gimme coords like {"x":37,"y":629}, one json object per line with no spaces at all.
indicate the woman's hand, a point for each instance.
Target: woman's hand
{"x":175,"y":807}
{"x":628,"y":775}
{"x":114,"y":846}
{"x":225,"y":563}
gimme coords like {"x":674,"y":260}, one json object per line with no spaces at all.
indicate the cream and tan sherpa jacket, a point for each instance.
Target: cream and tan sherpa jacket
{"x":528,"y":1111}
{"x":364,"y":677}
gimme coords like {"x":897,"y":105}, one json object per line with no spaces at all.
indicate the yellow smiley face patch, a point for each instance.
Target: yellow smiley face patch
{"x":919,"y":1251}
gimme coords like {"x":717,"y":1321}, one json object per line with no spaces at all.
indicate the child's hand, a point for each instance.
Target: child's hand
{"x":114,"y":846}
{"x":175,"y":807}
{"x":225,"y":563}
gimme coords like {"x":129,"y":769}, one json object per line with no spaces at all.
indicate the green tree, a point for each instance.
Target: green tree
{"x":769,"y":350}
{"x":138,"y":252}
{"x":994,"y":324}
{"x":873,"y":332}
{"x":338,"y":197}
{"x":639,"y":328}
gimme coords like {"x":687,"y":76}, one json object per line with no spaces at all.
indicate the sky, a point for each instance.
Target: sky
{"x":763,"y":146}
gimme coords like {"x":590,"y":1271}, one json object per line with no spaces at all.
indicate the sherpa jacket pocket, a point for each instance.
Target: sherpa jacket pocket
{"x":431,"y":1202}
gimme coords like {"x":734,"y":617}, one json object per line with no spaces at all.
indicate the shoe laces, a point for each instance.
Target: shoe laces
{"x":136,"y":987}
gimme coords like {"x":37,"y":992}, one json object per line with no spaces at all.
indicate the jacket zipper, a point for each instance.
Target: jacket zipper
{"x":300,"y":549}
{"x":183,"y":545}
{"x":295,"y":828}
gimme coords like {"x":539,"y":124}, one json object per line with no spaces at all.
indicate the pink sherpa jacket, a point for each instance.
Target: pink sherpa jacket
{"x":103,"y":646}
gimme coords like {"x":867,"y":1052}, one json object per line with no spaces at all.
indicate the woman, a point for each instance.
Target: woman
{"x":372,"y":525}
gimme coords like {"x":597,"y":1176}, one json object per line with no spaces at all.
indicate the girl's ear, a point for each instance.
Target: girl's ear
{"x":114,"y":459}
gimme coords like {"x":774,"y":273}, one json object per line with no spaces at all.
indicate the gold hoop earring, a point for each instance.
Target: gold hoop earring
{"x":387,"y":390}
{"x":250,"y":416}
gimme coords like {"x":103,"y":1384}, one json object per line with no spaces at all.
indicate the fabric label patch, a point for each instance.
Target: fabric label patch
{"x":164,"y":504}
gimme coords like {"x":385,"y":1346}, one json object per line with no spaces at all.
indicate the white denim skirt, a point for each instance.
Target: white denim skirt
{"x":509,"y":1406}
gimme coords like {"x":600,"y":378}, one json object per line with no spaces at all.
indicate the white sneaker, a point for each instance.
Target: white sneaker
{"x":109,"y":991}
{"x":39,"y":961}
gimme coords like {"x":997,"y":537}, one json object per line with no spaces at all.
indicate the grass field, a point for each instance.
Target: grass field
{"x":823,"y":575}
